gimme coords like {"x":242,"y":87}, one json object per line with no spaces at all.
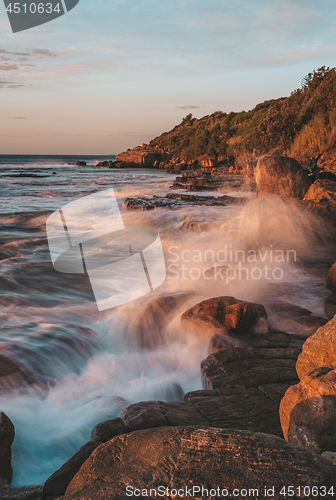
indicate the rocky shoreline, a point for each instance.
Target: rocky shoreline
{"x":268,"y":405}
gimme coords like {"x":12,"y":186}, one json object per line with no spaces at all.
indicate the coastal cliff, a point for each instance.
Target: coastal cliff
{"x":300,"y":126}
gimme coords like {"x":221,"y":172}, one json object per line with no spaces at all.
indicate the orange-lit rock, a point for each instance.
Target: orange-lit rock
{"x":181,"y":457}
{"x":283,"y":175}
{"x":224,"y":314}
{"x":319,"y":350}
{"x":308,"y":411}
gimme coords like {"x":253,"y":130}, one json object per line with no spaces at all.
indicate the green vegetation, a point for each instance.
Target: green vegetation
{"x":301,"y":126}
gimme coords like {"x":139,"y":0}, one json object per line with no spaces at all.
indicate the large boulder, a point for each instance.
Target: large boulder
{"x":319,"y":350}
{"x":191,"y":457}
{"x":308,"y":411}
{"x":283,"y":175}
{"x":224,"y":314}
{"x":7,"y":434}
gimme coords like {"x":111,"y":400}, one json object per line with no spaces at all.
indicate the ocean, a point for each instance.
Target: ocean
{"x":84,"y":366}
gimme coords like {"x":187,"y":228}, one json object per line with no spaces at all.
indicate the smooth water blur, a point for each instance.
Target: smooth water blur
{"x":86,"y":366}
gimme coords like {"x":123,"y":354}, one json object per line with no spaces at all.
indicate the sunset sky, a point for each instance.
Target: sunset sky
{"x":115,"y":73}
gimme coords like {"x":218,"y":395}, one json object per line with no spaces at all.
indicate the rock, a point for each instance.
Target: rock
{"x":144,"y":415}
{"x":272,"y":338}
{"x":321,"y":197}
{"x":322,"y":190}
{"x":331,"y":278}
{"x":137,"y":157}
{"x":174,"y":200}
{"x":239,"y":408}
{"x":224,"y":314}
{"x":243,"y":367}
{"x":26,"y":493}
{"x":151,"y":414}
{"x":107,"y":430}
{"x":7,"y":434}
{"x":56,"y":485}
{"x":12,"y":375}
{"x":80,"y":163}
{"x":251,"y":374}
{"x":319,"y":350}
{"x":185,"y":457}
{"x":283,"y":175}
{"x":147,"y":324}
{"x":329,"y":455}
{"x":308,"y":411}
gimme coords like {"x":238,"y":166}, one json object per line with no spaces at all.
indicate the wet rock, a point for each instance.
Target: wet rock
{"x":224,"y":314}
{"x":319,"y":350}
{"x":56,"y":485}
{"x":331,"y":278}
{"x":251,"y":374}
{"x":308,"y":411}
{"x":182,"y":457}
{"x":144,"y":415}
{"x":104,"y":431}
{"x":80,"y":163}
{"x":243,"y":367}
{"x":28,"y":493}
{"x":149,"y":415}
{"x":173,"y":200}
{"x":283,"y":175}
{"x":273,"y":338}
{"x":147,"y":324}
{"x":7,"y":434}
{"x":12,"y":375}
{"x":238,"y":408}
{"x":182,"y":413}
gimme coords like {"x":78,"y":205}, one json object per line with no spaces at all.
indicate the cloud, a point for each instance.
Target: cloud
{"x":8,"y":67}
{"x":7,"y":83}
{"x":187,"y":106}
{"x":17,"y":117}
{"x":43,"y":52}
{"x":2,"y":51}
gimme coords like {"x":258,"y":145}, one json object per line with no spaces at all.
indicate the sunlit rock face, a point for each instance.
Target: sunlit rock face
{"x":283,"y":175}
{"x":224,"y":314}
{"x":308,"y":411}
{"x":179,"y":457}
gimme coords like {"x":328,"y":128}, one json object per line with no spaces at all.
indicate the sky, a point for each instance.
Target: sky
{"x":112,"y":74}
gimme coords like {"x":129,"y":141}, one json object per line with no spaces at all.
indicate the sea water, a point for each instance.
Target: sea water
{"x":86,"y":366}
